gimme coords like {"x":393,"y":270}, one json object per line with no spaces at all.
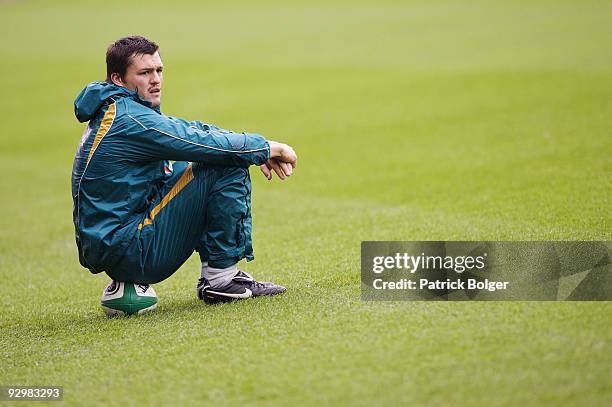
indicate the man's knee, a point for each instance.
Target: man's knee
{"x":230,"y":181}
{"x":215,"y":173}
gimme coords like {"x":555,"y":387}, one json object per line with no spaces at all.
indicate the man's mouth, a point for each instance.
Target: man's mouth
{"x":155,"y":91}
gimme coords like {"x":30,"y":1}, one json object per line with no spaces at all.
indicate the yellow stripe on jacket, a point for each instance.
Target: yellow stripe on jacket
{"x":107,"y":122}
{"x":180,"y":184}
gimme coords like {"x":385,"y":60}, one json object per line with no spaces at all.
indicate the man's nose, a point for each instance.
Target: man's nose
{"x":155,"y":78}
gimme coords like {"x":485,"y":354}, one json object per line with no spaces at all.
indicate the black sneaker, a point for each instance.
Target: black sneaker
{"x":241,"y":286}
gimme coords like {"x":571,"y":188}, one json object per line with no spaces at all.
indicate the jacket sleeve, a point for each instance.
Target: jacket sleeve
{"x":198,"y":124}
{"x":154,"y":136}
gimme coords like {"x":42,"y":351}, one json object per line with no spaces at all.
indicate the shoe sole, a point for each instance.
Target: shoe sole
{"x":218,"y":297}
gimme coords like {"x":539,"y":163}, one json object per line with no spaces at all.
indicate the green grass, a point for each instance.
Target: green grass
{"x":412,"y":121}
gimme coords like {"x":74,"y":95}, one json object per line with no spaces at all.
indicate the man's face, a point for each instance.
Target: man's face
{"x":144,"y":74}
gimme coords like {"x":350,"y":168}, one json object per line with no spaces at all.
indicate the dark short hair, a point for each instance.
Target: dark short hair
{"x":119,"y":53}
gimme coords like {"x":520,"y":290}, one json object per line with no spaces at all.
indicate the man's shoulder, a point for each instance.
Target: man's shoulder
{"x":130,"y":111}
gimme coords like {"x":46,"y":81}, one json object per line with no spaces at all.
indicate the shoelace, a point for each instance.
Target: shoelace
{"x":258,"y":284}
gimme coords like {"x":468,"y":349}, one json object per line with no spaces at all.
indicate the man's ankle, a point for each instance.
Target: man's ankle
{"x":218,"y":277}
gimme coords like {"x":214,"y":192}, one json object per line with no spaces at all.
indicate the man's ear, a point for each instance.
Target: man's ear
{"x":116,"y":79}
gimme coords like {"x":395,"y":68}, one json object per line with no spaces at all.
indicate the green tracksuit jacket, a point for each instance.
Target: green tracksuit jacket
{"x":123,"y":168}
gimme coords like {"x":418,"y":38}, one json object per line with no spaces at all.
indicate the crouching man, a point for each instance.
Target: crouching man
{"x":149,"y":189}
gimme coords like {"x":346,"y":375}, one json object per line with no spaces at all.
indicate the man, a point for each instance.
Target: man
{"x":138,"y":216}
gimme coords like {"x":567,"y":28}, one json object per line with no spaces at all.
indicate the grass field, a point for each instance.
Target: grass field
{"x":412,"y":120}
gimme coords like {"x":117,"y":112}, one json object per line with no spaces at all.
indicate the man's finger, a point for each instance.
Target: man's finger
{"x":289,"y":156}
{"x":269,"y":167}
{"x":277,"y":169}
{"x":287,"y":169}
{"x":266,"y":171}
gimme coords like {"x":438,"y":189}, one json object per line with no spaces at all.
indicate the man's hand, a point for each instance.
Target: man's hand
{"x":282,"y":161}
